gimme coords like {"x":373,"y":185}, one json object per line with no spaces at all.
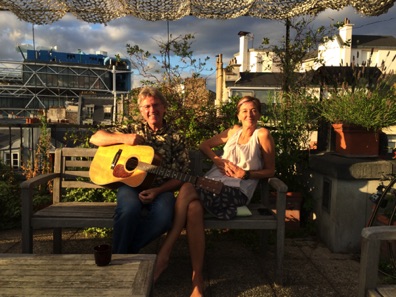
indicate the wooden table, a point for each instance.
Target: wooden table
{"x":75,"y":275}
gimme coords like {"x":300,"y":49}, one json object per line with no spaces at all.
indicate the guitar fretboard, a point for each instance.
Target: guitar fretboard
{"x":167,"y":172}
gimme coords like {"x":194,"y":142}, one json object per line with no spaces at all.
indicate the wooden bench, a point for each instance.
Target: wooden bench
{"x":72,"y":164}
{"x":369,"y":260}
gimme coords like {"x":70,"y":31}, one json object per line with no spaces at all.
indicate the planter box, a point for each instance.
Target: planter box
{"x":356,"y":141}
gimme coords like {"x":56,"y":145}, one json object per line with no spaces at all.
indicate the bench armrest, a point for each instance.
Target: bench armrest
{"x":379,"y":233}
{"x":369,"y":258}
{"x":27,"y":206}
{"x":38,"y":180}
{"x":277,"y":184}
{"x":280,"y":188}
{"x":27,"y":192}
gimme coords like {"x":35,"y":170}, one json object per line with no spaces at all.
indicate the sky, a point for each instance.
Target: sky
{"x":212,"y":37}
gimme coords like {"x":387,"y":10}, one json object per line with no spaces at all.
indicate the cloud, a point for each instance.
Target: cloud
{"x":212,"y":37}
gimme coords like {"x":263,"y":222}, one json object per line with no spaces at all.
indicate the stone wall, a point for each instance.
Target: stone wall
{"x":341,"y":188}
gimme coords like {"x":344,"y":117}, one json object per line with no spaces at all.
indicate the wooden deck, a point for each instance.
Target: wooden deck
{"x":75,"y":275}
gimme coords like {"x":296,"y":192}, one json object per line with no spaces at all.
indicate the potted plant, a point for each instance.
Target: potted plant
{"x":358,"y":112}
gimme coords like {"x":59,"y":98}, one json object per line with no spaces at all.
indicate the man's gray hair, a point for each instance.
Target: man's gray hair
{"x":151,"y":92}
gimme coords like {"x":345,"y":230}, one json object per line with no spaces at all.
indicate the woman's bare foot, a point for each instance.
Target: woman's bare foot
{"x":160,"y":266}
{"x":198,"y":287}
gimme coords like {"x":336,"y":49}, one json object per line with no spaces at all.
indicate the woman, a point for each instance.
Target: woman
{"x":249,"y":155}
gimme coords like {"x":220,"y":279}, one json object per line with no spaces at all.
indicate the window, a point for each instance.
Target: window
{"x":266,"y":96}
{"x":107,"y":111}
{"x":89,"y":109}
{"x":242,"y":93}
{"x":12,"y":158}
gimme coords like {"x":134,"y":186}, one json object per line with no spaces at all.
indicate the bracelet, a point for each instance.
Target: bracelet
{"x":246,"y":175}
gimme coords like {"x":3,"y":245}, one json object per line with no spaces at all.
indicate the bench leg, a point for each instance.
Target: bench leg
{"x":57,"y":241}
{"x":27,"y":239}
{"x":264,"y":241}
{"x":27,"y":229}
{"x":280,"y":252}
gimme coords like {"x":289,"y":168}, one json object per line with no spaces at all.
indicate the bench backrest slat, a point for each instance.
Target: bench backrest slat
{"x":79,"y":184}
{"x":73,"y":164}
{"x":75,"y":173}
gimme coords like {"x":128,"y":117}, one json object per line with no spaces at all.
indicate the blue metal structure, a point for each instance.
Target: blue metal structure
{"x":48,"y":78}
{"x":61,"y":59}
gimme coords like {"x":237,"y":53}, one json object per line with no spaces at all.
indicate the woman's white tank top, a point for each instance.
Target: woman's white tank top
{"x":247,"y":156}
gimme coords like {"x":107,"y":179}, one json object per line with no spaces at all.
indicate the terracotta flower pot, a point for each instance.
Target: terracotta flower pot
{"x":356,"y":141}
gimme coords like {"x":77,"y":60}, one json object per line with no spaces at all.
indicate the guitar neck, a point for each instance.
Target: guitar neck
{"x":149,"y":168}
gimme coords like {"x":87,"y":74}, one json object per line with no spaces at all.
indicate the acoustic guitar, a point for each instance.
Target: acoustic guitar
{"x":133,"y":165}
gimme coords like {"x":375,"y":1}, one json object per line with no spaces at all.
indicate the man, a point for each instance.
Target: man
{"x":132,"y":229}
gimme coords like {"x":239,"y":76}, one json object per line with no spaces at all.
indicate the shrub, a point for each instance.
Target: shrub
{"x":10,"y":205}
{"x":370,"y":109}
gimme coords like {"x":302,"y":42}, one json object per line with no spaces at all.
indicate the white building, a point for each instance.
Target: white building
{"x":346,"y":49}
{"x":251,"y":59}
{"x":343,"y":49}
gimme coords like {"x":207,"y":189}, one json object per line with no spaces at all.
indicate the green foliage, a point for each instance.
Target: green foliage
{"x":79,"y":137}
{"x":99,"y":232}
{"x":293,"y":117}
{"x":90,"y":195}
{"x":41,"y":160}
{"x":300,"y":39}
{"x":371,"y":109}
{"x":10,"y":192}
{"x":388,"y":269}
{"x":41,"y":199}
{"x":187,"y":111}
{"x":206,"y":122}
{"x":10,"y":205}
{"x":179,"y":48}
{"x":196,"y":124}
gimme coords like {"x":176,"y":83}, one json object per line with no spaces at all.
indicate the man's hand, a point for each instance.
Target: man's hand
{"x":148,"y":196}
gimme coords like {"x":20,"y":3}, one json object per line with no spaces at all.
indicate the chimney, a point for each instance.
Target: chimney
{"x":219,"y":80}
{"x":345,"y":33}
{"x":243,"y":50}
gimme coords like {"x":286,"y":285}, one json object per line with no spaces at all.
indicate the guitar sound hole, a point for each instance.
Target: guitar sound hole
{"x":131,"y":164}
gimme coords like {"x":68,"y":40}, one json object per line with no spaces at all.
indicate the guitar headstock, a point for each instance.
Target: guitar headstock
{"x":210,"y":185}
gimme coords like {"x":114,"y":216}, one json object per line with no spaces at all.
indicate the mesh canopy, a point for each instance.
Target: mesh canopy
{"x":42,"y":12}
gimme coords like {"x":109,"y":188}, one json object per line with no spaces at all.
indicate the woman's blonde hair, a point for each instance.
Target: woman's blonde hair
{"x":245,"y":99}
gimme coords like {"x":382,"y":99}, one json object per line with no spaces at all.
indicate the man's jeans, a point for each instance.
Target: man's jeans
{"x":134,"y":228}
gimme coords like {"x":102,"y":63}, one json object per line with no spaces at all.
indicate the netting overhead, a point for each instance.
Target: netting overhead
{"x":103,"y":11}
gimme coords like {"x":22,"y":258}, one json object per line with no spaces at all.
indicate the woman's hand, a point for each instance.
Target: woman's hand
{"x":228,"y":168}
